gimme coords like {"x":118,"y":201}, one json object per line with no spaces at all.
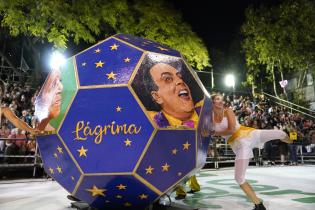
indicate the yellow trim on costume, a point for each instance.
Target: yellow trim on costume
{"x":242,"y":131}
{"x":176,"y":122}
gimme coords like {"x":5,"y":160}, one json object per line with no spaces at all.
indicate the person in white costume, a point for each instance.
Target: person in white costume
{"x":242,"y":140}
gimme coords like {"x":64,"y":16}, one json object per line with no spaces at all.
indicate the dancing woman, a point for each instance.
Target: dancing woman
{"x":242,"y":140}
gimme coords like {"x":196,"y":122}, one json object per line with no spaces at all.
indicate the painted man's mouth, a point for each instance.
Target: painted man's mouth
{"x":184,"y":94}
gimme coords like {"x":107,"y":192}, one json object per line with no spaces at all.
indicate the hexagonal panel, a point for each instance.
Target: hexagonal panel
{"x":115,"y":192}
{"x":109,"y":62}
{"x":106,"y":130}
{"x":148,"y":45}
{"x":57,"y":161}
{"x":168,"y":90}
{"x":171,"y":156}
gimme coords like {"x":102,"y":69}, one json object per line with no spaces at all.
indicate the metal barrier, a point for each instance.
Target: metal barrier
{"x":223,"y":154}
{"x":33,"y":164}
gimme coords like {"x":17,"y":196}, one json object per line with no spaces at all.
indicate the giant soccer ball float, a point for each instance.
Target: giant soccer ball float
{"x":122,"y":123}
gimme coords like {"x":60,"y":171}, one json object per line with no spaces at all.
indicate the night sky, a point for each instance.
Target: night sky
{"x":216,"y":22}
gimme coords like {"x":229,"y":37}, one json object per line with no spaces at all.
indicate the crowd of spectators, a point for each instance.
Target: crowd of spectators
{"x":260,"y":113}
{"x":257,"y":112}
{"x":20,"y":99}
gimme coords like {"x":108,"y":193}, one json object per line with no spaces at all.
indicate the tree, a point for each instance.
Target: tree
{"x":282,"y":38}
{"x":60,"y":22}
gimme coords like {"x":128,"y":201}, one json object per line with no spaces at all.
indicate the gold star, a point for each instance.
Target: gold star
{"x":72,"y":178}
{"x":96,"y":191}
{"x":162,"y":49}
{"x":99,"y":64}
{"x":82,"y":151}
{"x":59,"y":169}
{"x":55,"y":155}
{"x":114,"y":47}
{"x":83,"y":64}
{"x":127,"y":204}
{"x":186,"y":146}
{"x":127,"y":142}
{"x":143,"y":196}
{"x":165,"y":167}
{"x":118,"y":109}
{"x":59,"y":149}
{"x":118,"y":196}
{"x":121,"y":187}
{"x":127,"y":60}
{"x":111,"y":75}
{"x":98,"y":50}
{"x":51,"y":170}
{"x":149,"y":170}
{"x":174,"y":151}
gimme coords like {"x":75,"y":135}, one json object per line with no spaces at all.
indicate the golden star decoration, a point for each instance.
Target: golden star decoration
{"x":127,"y":204}
{"x":99,"y":64}
{"x":59,"y":149}
{"x":98,"y":50}
{"x":55,"y":155}
{"x":51,"y":170}
{"x":162,"y":49}
{"x":114,"y":47}
{"x":82,"y":151}
{"x":83,"y":64}
{"x":143,"y":196}
{"x":165,"y":167}
{"x":111,"y":75}
{"x":127,"y":143}
{"x":127,"y":60}
{"x":59,"y":169}
{"x":174,"y":151}
{"x":118,"y":109}
{"x":121,"y":187}
{"x":96,"y":191}
{"x":186,"y":146}
{"x":118,"y":196}
{"x":149,"y":170}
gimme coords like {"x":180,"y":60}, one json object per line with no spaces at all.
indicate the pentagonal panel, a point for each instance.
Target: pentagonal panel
{"x":106,"y":130}
{"x":148,"y":45}
{"x":109,"y":62}
{"x":115,"y":192}
{"x":57,"y":161}
{"x":171,"y":156}
{"x":168,"y":91}
{"x":56,"y":95}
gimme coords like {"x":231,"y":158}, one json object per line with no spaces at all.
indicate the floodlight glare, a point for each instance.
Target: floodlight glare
{"x":230,"y":80}
{"x":57,"y":60}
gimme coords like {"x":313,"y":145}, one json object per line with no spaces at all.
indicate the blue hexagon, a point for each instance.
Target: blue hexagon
{"x":109,"y":62}
{"x":57,"y":161}
{"x":106,"y":130}
{"x":115,"y":192}
{"x":171,"y":155}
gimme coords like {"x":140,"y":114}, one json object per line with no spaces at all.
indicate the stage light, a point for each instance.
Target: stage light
{"x":230,"y":80}
{"x":57,"y":60}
